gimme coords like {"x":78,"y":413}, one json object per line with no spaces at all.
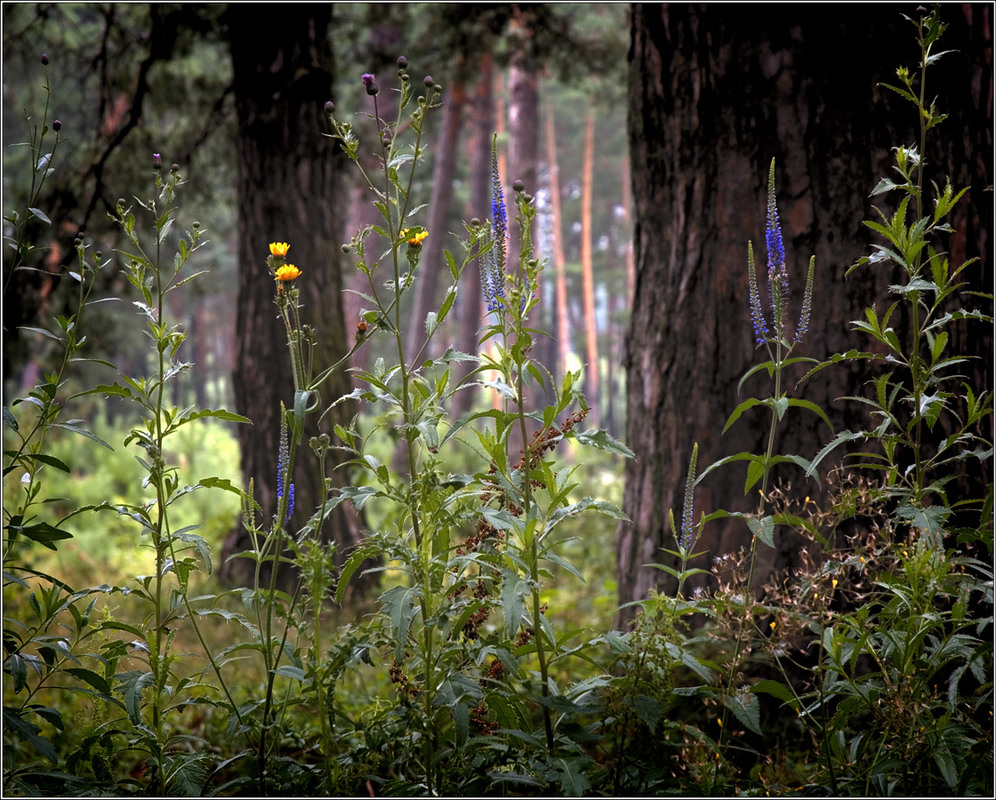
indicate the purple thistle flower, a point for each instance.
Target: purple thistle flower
{"x":370,"y":84}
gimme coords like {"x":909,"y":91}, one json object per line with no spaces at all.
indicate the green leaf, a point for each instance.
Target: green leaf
{"x":747,"y":711}
{"x":44,"y":534}
{"x":39,"y":214}
{"x":220,"y":483}
{"x":946,"y":766}
{"x":398,"y":603}
{"x":763,"y":529}
{"x":353,"y":563}
{"x":28,"y":732}
{"x":749,"y":403}
{"x":806,"y":404}
{"x":290,"y":671}
{"x":44,"y":458}
{"x":90,"y":677}
{"x":775,"y":689}
{"x":219,"y":413}
{"x":755,"y":471}
{"x":513,"y":593}
{"x":132,"y":683}
{"x":69,"y":426}
{"x":603,"y":440}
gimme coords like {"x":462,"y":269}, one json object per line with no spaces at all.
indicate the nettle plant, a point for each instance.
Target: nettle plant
{"x":465,"y":639}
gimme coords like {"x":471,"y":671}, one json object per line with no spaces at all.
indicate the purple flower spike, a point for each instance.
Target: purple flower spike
{"x":687,"y":539}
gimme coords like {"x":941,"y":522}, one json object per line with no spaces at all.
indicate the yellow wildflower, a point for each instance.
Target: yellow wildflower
{"x":415,"y":240}
{"x":287,"y":272}
{"x":279,"y":249}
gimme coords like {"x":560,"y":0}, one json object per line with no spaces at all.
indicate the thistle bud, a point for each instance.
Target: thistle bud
{"x":370,"y":84}
{"x":44,"y":59}
{"x":329,"y":107}
{"x":57,"y":125}
{"x":518,"y":186}
{"x":157,"y":162}
{"x":402,"y":62}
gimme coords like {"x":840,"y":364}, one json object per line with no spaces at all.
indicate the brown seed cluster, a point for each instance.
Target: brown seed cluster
{"x":405,"y":689}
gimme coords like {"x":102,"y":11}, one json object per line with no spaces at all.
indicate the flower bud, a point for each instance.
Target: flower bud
{"x":157,"y":162}
{"x":174,"y":168}
{"x":402,"y":62}
{"x":429,"y":82}
{"x":44,"y":59}
{"x":345,"y":249}
{"x":329,"y":107}
{"x":57,"y":125}
{"x":370,"y":84}
{"x":518,"y":186}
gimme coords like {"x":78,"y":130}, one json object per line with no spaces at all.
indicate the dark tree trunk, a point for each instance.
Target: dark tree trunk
{"x":288,"y":185}
{"x":715,"y":93}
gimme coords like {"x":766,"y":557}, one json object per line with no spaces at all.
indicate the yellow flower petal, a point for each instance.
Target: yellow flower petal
{"x":287,"y":272}
{"x":279,"y":249}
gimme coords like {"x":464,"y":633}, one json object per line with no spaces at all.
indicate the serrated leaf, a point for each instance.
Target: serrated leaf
{"x":763,"y":529}
{"x":398,"y":604}
{"x":747,"y":711}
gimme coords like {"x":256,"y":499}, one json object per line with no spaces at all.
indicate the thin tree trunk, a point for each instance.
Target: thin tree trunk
{"x":471,"y":303}
{"x":587,"y":272}
{"x":432,"y":264}
{"x":557,"y":245}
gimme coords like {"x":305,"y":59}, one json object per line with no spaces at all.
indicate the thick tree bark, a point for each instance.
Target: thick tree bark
{"x":715,"y":93}
{"x":288,"y":185}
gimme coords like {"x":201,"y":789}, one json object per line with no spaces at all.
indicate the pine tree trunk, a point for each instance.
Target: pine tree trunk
{"x":288,"y":185}
{"x":432,"y":264}
{"x":470,"y":302}
{"x":557,"y":239}
{"x":587,"y":271}
{"x":715,"y":93}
